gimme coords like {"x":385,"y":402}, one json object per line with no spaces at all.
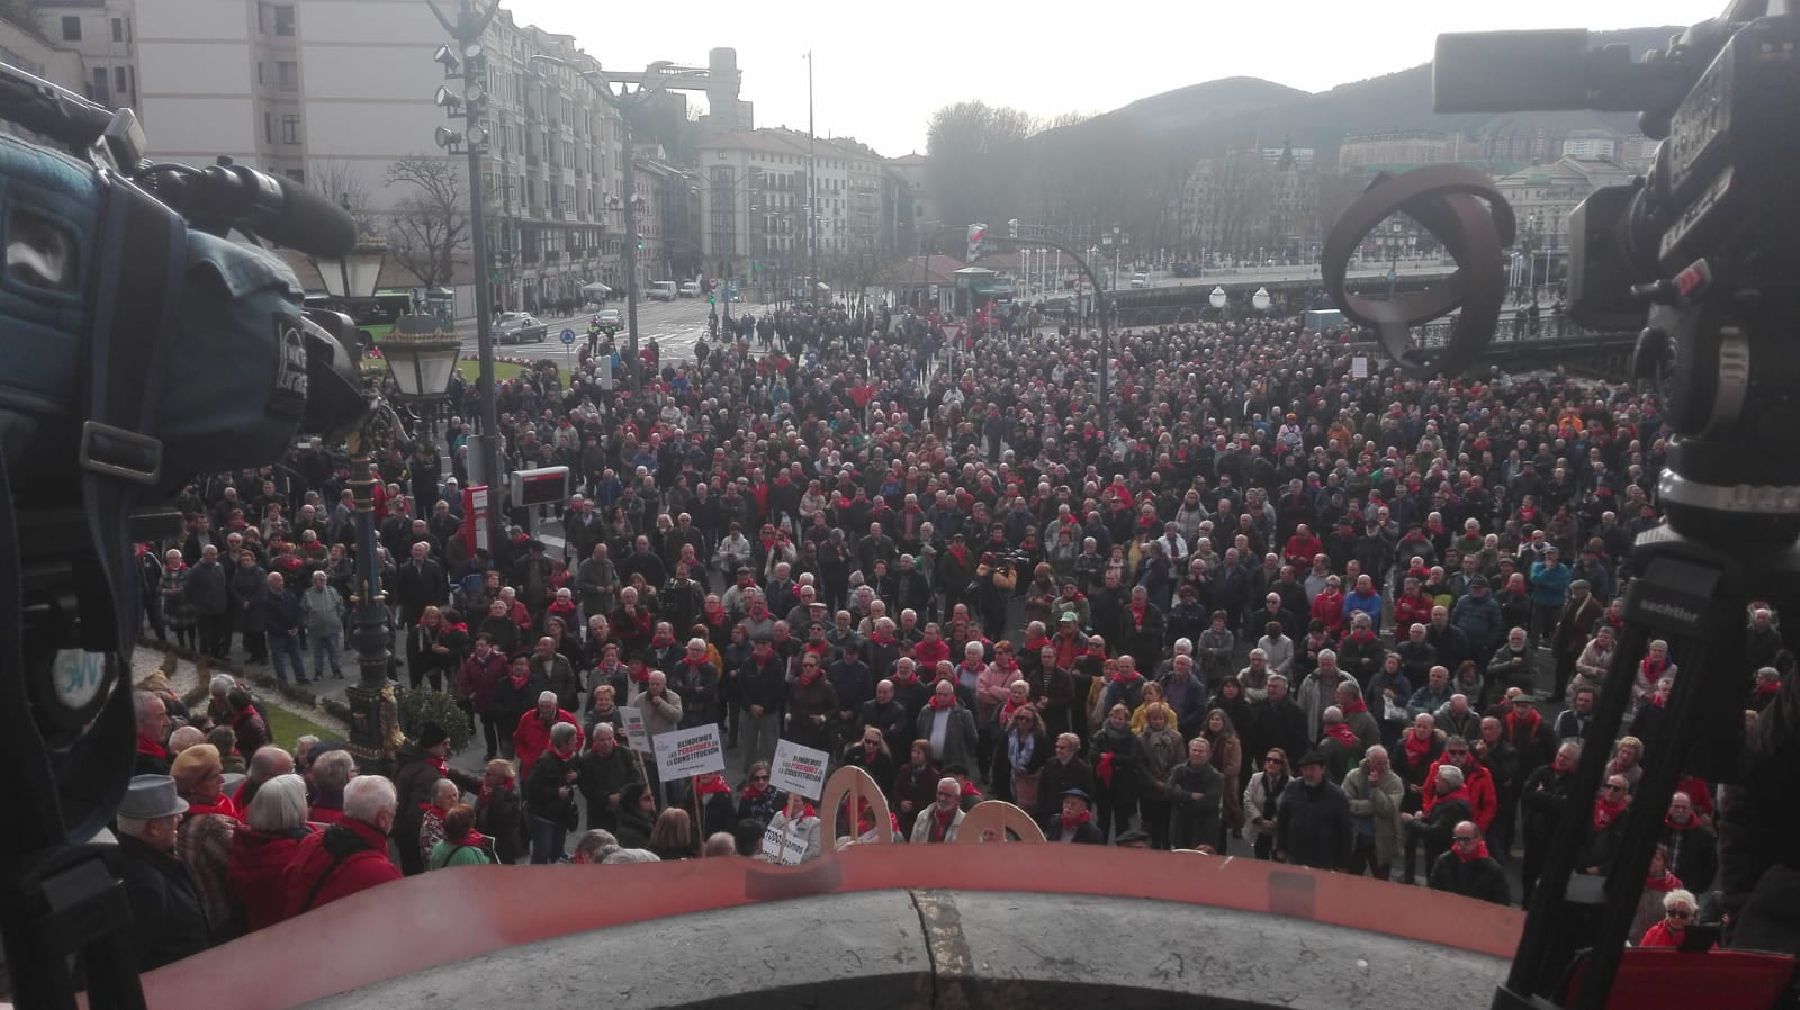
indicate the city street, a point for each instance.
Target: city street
{"x":675,"y":326}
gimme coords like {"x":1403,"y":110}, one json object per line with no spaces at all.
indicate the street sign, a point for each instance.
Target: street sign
{"x":568,"y":336}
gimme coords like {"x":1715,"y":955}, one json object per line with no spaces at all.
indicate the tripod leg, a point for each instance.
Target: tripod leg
{"x":1666,"y":755}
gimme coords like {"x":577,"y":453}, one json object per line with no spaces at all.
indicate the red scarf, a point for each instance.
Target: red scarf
{"x":1605,"y":813}
{"x":942,"y":703}
{"x":1416,"y":748}
{"x":151,"y":748}
{"x":1471,"y":853}
{"x":1070,"y":823}
{"x":1663,"y":884}
{"x":1531,"y":720}
{"x":1007,"y":710}
{"x":1674,"y":825}
{"x":1103,"y":771}
{"x":1354,"y":707}
{"x":1768,"y":687}
{"x":712,"y":785}
{"x":940,"y":822}
{"x":1342,"y":733}
{"x":1137,"y":615}
{"x":1129,"y":677}
{"x":640,"y":676}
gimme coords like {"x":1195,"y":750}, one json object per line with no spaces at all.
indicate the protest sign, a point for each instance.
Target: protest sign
{"x":784,"y":846}
{"x":799,"y":769}
{"x":686,"y":752}
{"x":635,"y":737}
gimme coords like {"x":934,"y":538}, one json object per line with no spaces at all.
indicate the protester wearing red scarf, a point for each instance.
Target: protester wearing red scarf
{"x":1608,"y":807}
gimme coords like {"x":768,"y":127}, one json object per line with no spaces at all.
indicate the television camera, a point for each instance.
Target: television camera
{"x":1699,"y":252}
{"x":138,"y":346}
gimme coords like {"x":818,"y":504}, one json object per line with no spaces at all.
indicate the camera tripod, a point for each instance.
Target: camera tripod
{"x":1726,"y":543}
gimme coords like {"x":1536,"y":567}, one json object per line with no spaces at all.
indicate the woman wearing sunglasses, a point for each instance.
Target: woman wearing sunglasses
{"x":1678,"y":912}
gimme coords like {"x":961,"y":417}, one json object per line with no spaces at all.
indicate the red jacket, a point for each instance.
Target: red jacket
{"x":476,"y":680}
{"x":1409,"y":611}
{"x":360,"y":870}
{"x":1301,"y":550}
{"x":532,"y":738}
{"x":1328,"y":607}
{"x":255,"y":868}
{"x":1480,"y":785}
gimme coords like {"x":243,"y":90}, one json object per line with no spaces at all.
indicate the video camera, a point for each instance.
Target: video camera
{"x":138,"y":346}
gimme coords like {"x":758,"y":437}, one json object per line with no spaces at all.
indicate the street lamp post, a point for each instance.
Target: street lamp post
{"x":421,"y":356}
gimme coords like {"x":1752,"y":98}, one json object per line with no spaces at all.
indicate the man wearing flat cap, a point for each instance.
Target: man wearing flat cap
{"x":167,"y":923}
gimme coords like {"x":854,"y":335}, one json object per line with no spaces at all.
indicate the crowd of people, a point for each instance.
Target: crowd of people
{"x":1250,"y":604}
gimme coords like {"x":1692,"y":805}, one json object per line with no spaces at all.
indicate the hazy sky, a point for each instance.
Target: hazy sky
{"x":881,"y":69}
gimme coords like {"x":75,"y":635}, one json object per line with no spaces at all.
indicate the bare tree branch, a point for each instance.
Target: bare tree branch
{"x":343,"y":183}
{"x":431,"y":223}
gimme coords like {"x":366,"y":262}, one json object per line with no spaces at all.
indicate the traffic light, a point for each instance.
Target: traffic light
{"x":977,"y":236}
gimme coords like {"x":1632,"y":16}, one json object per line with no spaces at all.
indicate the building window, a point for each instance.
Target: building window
{"x":296,"y":174}
{"x":287,"y":75}
{"x":269,"y":127}
{"x":100,"y":85}
{"x":290,"y":129}
{"x":284,"y":20}
{"x":71,"y":29}
{"x":118,"y":29}
{"x":119,"y":82}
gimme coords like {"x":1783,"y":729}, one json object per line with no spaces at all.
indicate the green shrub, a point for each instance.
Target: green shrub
{"x":423,"y":705}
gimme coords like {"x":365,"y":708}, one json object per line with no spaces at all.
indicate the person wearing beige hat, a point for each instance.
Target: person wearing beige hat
{"x":199,"y":774}
{"x":167,"y":923}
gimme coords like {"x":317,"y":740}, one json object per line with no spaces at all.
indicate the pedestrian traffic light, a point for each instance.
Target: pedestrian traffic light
{"x":977,"y":236}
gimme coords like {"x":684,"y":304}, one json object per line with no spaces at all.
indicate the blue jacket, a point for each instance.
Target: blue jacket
{"x":1364,"y":603}
{"x":1480,"y":619}
{"x":1550,"y":584}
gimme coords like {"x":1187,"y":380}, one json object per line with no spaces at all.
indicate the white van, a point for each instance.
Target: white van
{"x":661,"y":291}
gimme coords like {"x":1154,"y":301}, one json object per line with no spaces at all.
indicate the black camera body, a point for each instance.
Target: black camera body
{"x":1719,"y":188}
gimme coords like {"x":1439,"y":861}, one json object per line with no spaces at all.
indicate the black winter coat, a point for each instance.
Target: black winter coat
{"x":1195,"y":822}
{"x":1312,"y":825}
{"x":167,"y":923}
{"x":1473,"y":878}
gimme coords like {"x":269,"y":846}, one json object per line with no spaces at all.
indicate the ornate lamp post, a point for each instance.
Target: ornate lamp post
{"x":421,"y":354}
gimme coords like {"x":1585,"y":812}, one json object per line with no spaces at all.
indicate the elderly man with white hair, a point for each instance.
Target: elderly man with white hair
{"x":550,"y":795}
{"x":938,"y":822}
{"x":531,"y":737}
{"x":348,"y":857}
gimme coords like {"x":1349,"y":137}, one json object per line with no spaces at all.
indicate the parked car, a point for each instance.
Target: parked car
{"x":1140,"y":280}
{"x":518,"y":327}
{"x":662,"y":291}
{"x":691,"y":289}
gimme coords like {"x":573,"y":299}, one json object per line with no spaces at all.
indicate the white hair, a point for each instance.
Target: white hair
{"x":279,"y":805}
{"x":221,"y":683}
{"x":367,"y":797}
{"x":1450,"y":774}
{"x":1680,"y":898}
{"x":546,"y":696}
{"x":333,"y":770}
{"x":619,"y":856}
{"x":561,"y":735}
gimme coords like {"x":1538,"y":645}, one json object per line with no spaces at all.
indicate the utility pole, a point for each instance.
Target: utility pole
{"x":629,"y":180}
{"x":467,"y":31}
{"x":812,"y":186}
